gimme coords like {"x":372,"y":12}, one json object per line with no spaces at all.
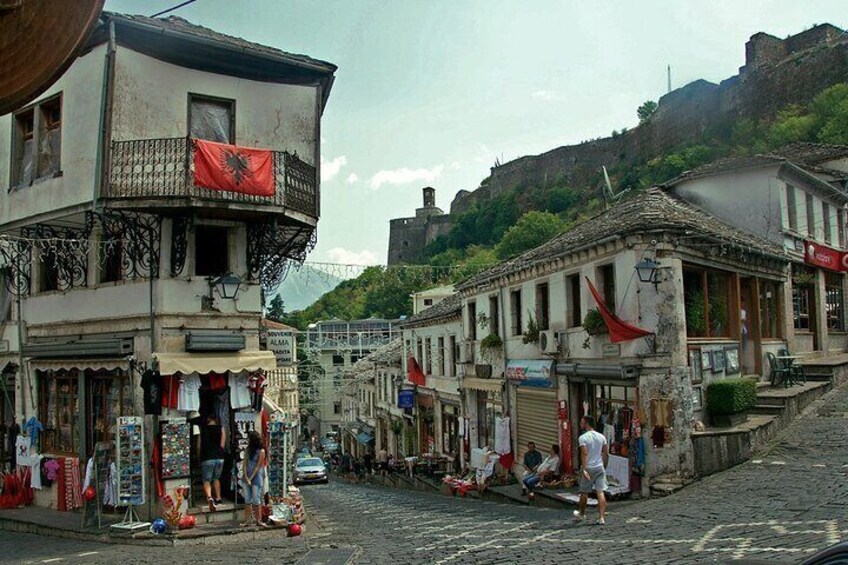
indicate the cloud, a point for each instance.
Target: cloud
{"x":330,"y":169}
{"x":348,"y":257}
{"x":546,"y":95}
{"x":352,"y":178}
{"x":405,"y":175}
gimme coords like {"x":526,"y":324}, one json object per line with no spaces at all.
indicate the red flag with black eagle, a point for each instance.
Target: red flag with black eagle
{"x":218,"y":166}
{"x":619,"y":330}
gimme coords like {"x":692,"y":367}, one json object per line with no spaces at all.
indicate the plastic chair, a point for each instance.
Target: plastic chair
{"x":779,"y":373}
{"x":795,"y":370}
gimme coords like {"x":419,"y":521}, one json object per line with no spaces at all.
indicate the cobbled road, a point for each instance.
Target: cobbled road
{"x":779,"y":508}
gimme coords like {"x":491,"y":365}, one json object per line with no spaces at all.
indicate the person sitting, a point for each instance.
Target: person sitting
{"x":532,"y":460}
{"x":548,"y":469}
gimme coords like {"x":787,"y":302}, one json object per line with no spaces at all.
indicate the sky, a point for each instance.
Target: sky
{"x":432,"y":93}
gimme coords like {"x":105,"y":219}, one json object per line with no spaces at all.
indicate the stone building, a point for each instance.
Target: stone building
{"x":409,"y":236}
{"x":125,"y":268}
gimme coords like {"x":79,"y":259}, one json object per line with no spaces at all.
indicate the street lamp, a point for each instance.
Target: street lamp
{"x":646,"y":269}
{"x":228,"y":286}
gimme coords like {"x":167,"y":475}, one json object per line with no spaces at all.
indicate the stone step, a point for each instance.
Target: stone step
{"x":777,"y":401}
{"x":664,"y":489}
{"x":766,"y":409}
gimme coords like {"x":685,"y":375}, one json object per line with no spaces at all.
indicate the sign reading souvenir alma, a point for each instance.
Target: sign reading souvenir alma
{"x":530,"y":372}
{"x":281,"y":342}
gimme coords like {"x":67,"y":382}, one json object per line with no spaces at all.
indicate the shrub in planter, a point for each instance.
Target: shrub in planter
{"x":728,"y":399}
{"x":593,"y":323}
{"x":490,"y":346}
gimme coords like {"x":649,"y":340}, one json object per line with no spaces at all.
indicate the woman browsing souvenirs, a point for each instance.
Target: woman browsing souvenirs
{"x":253,"y":477}
{"x":212,"y":441}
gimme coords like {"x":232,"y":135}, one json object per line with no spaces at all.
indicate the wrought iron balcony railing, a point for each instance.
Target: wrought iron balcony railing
{"x":163,"y":168}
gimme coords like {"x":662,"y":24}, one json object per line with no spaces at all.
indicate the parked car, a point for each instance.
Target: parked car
{"x":832,"y":555}
{"x":310,"y":470}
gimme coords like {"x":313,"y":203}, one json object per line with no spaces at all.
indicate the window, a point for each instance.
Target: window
{"x":543,"y":307}
{"x":211,"y":251}
{"x":420,"y":357}
{"x":428,"y":302}
{"x":791,"y":208}
{"x":802,"y":297}
{"x":494,"y":316}
{"x":428,"y":348}
{"x":606,"y":284}
{"x":516,"y":324}
{"x":451,"y":355}
{"x":440,"y":365}
{"x":212,"y":119}
{"x":834,"y":302}
{"x":811,"y":216}
{"x":338,"y":360}
{"x":769,"y":309}
{"x":840,"y":228}
{"x":472,"y":320}
{"x":48,"y":273}
{"x":337,"y":407}
{"x":37,"y":142}
{"x":573,"y":291}
{"x":111,"y":260}
{"x":707,"y":295}
{"x":828,"y":232}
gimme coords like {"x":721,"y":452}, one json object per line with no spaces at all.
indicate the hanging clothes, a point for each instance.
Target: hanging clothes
{"x":239,"y":393}
{"x":35,"y":473}
{"x":152,"y":386}
{"x":257,"y":383}
{"x":188,"y":397}
{"x":221,"y":405}
{"x":110,"y":493}
{"x":502,"y":435}
{"x":33,"y":428}
{"x":170,"y":391}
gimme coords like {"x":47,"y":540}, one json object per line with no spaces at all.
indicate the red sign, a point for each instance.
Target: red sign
{"x":218,"y":166}
{"x":824,"y":256}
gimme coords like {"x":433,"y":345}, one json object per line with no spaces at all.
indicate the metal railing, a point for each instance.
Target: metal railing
{"x":163,"y":168}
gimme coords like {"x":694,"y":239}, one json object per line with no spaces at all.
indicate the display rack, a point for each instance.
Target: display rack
{"x":132,"y":482}
{"x":175,"y":448}
{"x":277,"y":458}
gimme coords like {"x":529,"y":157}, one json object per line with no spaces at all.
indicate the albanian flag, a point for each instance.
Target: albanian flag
{"x":218,"y":166}
{"x":414,"y":372}
{"x":619,"y":330}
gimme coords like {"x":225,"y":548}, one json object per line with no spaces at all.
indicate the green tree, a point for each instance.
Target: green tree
{"x":830,"y":110}
{"x":277,"y":310}
{"x":791,"y":124}
{"x":531,"y":230}
{"x":646,"y":110}
{"x":477,"y":259}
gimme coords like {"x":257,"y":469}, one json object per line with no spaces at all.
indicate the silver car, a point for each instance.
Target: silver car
{"x":310,"y":470}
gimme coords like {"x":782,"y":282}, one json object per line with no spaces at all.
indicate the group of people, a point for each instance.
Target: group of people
{"x":594,"y":457}
{"x":357,"y":468}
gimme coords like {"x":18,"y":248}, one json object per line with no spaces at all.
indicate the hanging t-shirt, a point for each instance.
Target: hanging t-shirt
{"x":502,"y":435}
{"x":188,"y":398}
{"x":51,"y":469}
{"x":24,"y":454}
{"x":35,"y":480}
{"x":239,"y":393}
{"x":215,"y":381}
{"x":45,"y":474}
{"x":257,"y":383}
{"x":170,"y":390}
{"x":33,"y":427}
{"x":152,"y":387}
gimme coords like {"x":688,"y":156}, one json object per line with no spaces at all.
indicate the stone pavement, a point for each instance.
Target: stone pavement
{"x":779,"y":508}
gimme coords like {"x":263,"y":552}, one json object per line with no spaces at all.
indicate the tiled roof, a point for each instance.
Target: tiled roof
{"x":812,"y":153}
{"x":177,"y":24}
{"x":726,"y":165}
{"x":449,"y":307}
{"x":652,"y":210}
{"x":272,"y":325}
{"x":387,"y":354}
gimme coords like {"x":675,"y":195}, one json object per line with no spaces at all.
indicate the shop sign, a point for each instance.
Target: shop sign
{"x":281,"y":342}
{"x":824,"y":256}
{"x":530,"y":372}
{"x":611,"y":350}
{"x":406,"y":399}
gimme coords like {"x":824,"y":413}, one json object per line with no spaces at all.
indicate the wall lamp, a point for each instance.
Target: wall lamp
{"x":647,"y":270}
{"x":228,"y":286}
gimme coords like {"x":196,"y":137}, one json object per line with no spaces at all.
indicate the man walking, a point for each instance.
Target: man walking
{"x":594,"y":455}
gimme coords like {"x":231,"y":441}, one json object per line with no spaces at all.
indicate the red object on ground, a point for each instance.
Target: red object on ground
{"x":187,"y":522}
{"x":218,"y":166}
{"x":295,"y":530}
{"x":619,"y":330}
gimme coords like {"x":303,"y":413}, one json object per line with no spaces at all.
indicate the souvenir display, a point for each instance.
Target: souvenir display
{"x":131,"y":460}
{"x":277,"y":458}
{"x":175,"y":449}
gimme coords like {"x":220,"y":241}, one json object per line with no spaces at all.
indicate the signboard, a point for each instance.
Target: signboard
{"x":530,"y":372}
{"x":281,"y":342}
{"x":823,"y":256}
{"x":406,"y":399}
{"x":611,"y":350}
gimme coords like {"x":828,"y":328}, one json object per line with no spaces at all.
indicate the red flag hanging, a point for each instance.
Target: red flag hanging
{"x":218,"y":166}
{"x":619,"y":330}
{"x":414,"y":372}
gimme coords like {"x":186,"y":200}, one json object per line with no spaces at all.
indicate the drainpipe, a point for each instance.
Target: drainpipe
{"x":104,"y":133}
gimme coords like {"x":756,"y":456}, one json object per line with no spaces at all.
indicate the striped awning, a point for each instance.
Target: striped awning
{"x":488,"y":385}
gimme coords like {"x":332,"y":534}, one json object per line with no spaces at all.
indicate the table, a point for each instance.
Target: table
{"x":792,"y":370}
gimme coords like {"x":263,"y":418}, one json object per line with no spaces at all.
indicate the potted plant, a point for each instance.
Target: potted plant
{"x":728,"y":400}
{"x":531,"y":335}
{"x":594,"y":323}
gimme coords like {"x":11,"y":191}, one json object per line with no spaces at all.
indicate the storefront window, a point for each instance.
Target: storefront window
{"x":769,"y":309}
{"x":802,"y":297}
{"x":108,"y":398}
{"x":834,"y":302}
{"x":707,"y":297}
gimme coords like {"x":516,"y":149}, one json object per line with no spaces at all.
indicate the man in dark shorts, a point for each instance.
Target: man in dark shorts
{"x":594,"y":455}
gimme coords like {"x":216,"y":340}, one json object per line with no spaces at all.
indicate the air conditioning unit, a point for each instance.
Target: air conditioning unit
{"x":466,"y":351}
{"x":549,"y":341}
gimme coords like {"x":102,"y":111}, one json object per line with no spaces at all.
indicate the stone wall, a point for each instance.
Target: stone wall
{"x":777,"y":73}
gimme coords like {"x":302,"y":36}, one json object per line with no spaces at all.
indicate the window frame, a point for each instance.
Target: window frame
{"x":811,"y":215}
{"x":494,"y":315}
{"x":573,"y":300}
{"x":835,"y":297}
{"x":472,"y":319}
{"x":228,"y":235}
{"x":515,"y":318}
{"x":543,"y":305}
{"x":194,"y":96}
{"x":19,"y":137}
{"x":791,"y":208}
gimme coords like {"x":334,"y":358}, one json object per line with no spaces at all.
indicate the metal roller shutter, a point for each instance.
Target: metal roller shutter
{"x":536,"y":420}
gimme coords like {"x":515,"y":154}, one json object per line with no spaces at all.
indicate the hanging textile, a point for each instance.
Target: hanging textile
{"x":218,"y":166}
{"x":502,"y":433}
{"x":619,"y":330}
{"x":414,"y":372}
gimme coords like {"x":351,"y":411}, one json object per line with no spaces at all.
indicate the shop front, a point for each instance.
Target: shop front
{"x":425,"y":407}
{"x":483,"y":403}
{"x":536,"y":404}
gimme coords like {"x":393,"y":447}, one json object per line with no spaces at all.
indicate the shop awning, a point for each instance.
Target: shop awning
{"x":364,"y":438}
{"x":119,"y":363}
{"x":202,"y":363}
{"x":488,"y":385}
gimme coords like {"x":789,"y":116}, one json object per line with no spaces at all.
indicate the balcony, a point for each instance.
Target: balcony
{"x":162,"y":169}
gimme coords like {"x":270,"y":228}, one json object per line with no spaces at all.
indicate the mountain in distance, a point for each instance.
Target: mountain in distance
{"x":302,"y":287}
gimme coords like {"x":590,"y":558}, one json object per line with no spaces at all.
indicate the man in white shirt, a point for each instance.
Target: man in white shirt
{"x":546,"y":469}
{"x":594,"y":455}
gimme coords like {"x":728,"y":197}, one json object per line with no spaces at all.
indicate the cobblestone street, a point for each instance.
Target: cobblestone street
{"x":781,"y":507}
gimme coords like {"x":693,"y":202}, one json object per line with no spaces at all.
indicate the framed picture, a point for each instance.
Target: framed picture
{"x":695,"y":366}
{"x":718,"y":360}
{"x":731,"y":356}
{"x":706,"y":360}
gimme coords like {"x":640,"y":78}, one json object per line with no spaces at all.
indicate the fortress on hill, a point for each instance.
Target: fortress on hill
{"x":777,"y":72}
